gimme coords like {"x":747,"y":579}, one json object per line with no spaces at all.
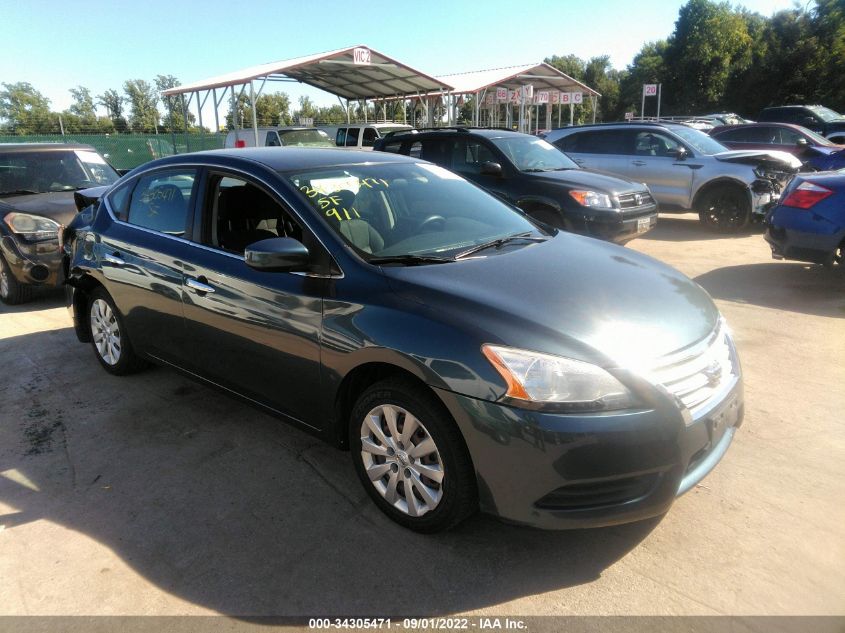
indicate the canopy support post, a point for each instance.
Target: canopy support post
{"x":254,"y":113}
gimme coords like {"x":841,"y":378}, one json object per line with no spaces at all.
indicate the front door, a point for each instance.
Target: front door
{"x":254,"y":332}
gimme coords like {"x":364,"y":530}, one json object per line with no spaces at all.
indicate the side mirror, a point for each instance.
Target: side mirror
{"x":489,"y":168}
{"x":802,"y":142}
{"x":681,"y":153}
{"x":277,"y":254}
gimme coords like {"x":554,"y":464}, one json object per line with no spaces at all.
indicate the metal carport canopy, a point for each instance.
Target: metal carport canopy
{"x":365,"y":74}
{"x":542,"y":76}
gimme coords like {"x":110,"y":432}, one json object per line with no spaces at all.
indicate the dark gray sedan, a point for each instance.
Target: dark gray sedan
{"x":466,"y":356}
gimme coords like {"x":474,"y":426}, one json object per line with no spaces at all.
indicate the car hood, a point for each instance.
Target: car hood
{"x":774,"y":159}
{"x":56,"y":205}
{"x":590,"y":179}
{"x":571,"y":295}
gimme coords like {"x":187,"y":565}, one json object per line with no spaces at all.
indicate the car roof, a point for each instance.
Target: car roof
{"x":43,"y":147}
{"x":485,"y":132}
{"x":793,"y":126}
{"x":669,"y":125}
{"x":286,"y":158}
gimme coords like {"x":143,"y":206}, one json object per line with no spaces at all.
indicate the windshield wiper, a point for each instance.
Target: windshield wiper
{"x":409,"y":260}
{"x":531,"y":171}
{"x":18,"y":192}
{"x":501,"y":241}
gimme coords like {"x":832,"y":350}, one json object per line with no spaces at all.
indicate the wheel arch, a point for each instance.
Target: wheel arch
{"x":711,"y":185}
{"x":83,"y":286}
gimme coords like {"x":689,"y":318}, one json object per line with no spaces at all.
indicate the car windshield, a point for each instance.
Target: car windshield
{"x":818,"y":139}
{"x":826,"y":114}
{"x":533,"y":154}
{"x":43,"y":171}
{"x":700,"y":141}
{"x":408,"y":211}
{"x":305,"y":138}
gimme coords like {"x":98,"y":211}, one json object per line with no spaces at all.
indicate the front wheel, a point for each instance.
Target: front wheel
{"x":108,"y":336}
{"x":726,"y":209}
{"x":411,"y":458}
{"x":12,"y":292}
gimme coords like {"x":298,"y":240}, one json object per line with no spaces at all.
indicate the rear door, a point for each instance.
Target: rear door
{"x":605,"y":150}
{"x":256,"y":333}
{"x":141,"y":257}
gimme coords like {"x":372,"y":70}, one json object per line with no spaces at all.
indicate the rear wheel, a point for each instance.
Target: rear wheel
{"x":725,"y":208}
{"x":411,"y":458}
{"x":108,"y":336}
{"x":12,"y":292}
{"x":834,"y":260}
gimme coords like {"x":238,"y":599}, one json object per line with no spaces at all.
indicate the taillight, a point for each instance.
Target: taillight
{"x":240,"y":143}
{"x":806,"y":195}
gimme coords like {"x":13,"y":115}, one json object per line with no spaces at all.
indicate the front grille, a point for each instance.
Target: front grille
{"x":596,"y":494}
{"x":699,"y":374}
{"x":630,"y":201}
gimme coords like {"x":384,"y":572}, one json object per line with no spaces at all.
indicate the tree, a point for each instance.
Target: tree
{"x":113,"y":102}
{"x":26,"y":110}
{"x":175,"y":106}
{"x":271,"y":110}
{"x":709,"y":42}
{"x":143,"y":102}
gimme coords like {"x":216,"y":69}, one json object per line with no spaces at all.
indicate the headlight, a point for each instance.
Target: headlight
{"x":554,"y":380}
{"x":32,"y":227}
{"x":592,"y":199}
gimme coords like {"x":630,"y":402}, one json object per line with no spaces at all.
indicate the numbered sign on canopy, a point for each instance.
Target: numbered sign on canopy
{"x":577,"y":97}
{"x":501,"y":95}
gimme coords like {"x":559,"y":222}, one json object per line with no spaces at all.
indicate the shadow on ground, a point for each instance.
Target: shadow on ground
{"x":229,"y":509}
{"x":805,"y":288}
{"x":43,"y":300}
{"x":687,"y":228}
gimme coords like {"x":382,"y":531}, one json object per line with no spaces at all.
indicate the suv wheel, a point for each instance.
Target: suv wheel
{"x":12,"y":292}
{"x":725,"y":208}
{"x":411,"y":458}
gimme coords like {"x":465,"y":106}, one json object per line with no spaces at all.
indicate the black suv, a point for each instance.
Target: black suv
{"x":37,"y":185}
{"x":813,"y":117}
{"x":536,"y":177}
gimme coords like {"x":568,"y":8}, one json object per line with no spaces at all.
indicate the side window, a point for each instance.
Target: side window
{"x":161,"y":201}
{"x":370,"y":137}
{"x":467,"y":156}
{"x":272,"y":139}
{"x":416,"y":150}
{"x":340,"y":138}
{"x":568,"y":143}
{"x":352,"y":137}
{"x":788,"y":136}
{"x":654,"y":144}
{"x":119,"y":201}
{"x":604,"y":142}
{"x":438,"y":151}
{"x":240,"y":213}
{"x":394,"y":147}
{"x":736,"y":136}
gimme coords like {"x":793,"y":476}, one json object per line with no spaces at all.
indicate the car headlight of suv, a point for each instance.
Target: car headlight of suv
{"x":591,"y":199}
{"x":556,"y":382}
{"x":33,"y":228}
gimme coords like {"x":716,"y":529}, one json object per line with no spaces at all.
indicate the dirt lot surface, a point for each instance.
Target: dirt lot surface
{"x":154,"y":495}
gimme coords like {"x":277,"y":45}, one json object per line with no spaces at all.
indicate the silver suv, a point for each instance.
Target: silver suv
{"x":685,"y":169}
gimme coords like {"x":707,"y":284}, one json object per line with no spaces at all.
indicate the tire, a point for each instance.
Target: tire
{"x":12,"y":292}
{"x":725,"y":209}
{"x":109,"y":336}
{"x":836,"y":258}
{"x":436,"y":468}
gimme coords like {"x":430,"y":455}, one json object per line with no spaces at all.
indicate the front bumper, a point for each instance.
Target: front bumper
{"x":557,"y":471}
{"x":616,"y":227}
{"x":30,"y":266}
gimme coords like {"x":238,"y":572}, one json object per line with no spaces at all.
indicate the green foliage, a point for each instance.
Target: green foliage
{"x":25,"y":110}
{"x":143,"y":101}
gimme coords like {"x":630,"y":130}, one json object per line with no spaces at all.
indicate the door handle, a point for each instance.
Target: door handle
{"x":198,"y":285}
{"x":638,"y":163}
{"x":114,"y":259}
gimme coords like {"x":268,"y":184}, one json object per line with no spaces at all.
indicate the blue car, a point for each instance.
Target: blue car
{"x":808,"y":223}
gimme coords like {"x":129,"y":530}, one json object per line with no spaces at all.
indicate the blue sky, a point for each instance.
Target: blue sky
{"x":56,"y":45}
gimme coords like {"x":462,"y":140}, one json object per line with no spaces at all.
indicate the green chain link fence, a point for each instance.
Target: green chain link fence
{"x":126,"y":151}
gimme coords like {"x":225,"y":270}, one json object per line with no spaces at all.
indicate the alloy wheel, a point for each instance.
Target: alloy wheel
{"x":5,"y":288}
{"x":105,"y":332}
{"x":401,"y":460}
